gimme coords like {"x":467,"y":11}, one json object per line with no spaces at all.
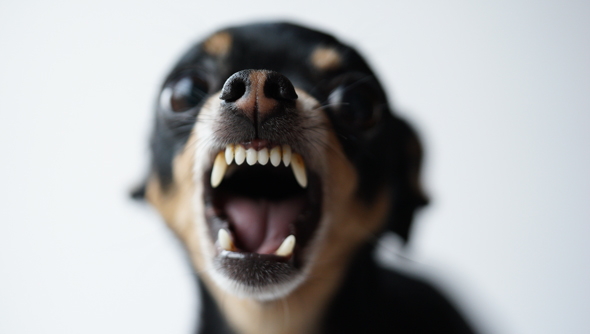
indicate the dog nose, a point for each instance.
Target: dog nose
{"x":259,"y":94}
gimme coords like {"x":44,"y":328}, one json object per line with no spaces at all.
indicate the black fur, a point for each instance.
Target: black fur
{"x":372,"y":300}
{"x":377,"y":300}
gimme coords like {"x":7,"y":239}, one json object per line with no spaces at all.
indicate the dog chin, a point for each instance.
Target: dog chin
{"x":268,"y":292}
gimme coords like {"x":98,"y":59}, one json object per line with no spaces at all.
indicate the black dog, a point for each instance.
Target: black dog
{"x":278,"y":162}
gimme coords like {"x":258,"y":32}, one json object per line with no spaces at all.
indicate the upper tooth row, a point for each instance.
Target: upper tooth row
{"x":251,"y":156}
{"x":223,"y":159}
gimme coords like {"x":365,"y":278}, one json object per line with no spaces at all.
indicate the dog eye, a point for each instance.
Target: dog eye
{"x":356,"y":104}
{"x":184,"y":93}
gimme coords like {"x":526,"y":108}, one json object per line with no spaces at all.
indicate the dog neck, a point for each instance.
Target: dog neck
{"x":302,"y":311}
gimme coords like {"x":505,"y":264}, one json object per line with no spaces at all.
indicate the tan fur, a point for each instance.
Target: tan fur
{"x":175,"y":202}
{"x":218,"y":45}
{"x":326,"y":58}
{"x":345,"y":224}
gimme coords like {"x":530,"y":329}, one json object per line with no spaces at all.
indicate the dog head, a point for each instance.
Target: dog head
{"x":275,"y":155}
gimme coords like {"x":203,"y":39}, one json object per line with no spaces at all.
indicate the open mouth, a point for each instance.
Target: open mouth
{"x":263,"y":207}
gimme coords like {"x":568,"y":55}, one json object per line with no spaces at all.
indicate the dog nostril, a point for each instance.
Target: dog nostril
{"x":278,"y":87}
{"x":234,"y":88}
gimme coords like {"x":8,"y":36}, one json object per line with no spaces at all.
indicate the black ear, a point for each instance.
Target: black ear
{"x":138,"y":192}
{"x":407,"y":193}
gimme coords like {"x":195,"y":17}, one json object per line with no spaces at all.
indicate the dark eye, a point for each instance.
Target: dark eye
{"x":184,"y":93}
{"x":357,"y":103}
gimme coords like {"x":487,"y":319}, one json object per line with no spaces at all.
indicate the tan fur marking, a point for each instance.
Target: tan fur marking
{"x":326,"y":58}
{"x":265,"y":104}
{"x":218,"y":44}
{"x":175,"y":203}
{"x":256,"y":98}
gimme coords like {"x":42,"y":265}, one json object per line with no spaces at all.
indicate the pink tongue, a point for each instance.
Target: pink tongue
{"x":261,"y":225}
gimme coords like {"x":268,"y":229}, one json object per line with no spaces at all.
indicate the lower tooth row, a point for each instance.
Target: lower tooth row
{"x":286,"y":248}
{"x":251,"y":156}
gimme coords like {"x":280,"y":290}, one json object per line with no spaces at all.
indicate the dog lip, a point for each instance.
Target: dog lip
{"x":258,"y":144}
{"x":241,"y":255}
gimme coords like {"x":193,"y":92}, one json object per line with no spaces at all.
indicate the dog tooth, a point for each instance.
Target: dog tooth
{"x":275,"y":156}
{"x":251,"y":156}
{"x":219,"y":168}
{"x":240,"y":154}
{"x":286,"y":155}
{"x":286,"y":247}
{"x":263,"y":156}
{"x":298,"y":167}
{"x":229,"y":153}
{"x":225,"y":240}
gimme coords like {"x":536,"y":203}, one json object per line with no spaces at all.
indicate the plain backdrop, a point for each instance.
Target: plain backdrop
{"x":499,"y":90}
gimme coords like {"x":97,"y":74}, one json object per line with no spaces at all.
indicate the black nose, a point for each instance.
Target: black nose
{"x":259,"y":94}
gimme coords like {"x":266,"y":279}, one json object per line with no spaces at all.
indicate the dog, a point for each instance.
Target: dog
{"x":277,"y":161}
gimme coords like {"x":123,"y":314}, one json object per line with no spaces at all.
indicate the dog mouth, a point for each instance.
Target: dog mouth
{"x":263,"y":206}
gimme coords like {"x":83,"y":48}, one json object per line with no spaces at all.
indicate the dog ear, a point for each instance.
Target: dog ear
{"x":138,"y":192}
{"x":407,"y":193}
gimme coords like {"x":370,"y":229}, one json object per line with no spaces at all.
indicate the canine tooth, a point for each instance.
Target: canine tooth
{"x":229,"y":153}
{"x":263,"y":156}
{"x":225,"y":240}
{"x":240,"y":154}
{"x":298,"y":167}
{"x":275,"y":156}
{"x":219,"y":168}
{"x":286,"y":155}
{"x":251,"y":156}
{"x":286,"y":247}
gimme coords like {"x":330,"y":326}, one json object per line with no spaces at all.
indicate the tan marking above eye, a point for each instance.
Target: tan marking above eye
{"x":326,"y":58}
{"x":219,"y":44}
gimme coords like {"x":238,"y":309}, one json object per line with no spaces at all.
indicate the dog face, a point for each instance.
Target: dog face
{"x":275,"y":155}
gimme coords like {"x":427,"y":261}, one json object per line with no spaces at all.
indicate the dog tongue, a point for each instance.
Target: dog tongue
{"x":260,"y":225}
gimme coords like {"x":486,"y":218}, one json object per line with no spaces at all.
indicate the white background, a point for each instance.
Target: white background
{"x":500,"y":92}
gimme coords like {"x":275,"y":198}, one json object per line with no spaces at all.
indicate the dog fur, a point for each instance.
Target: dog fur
{"x":363,"y":168}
